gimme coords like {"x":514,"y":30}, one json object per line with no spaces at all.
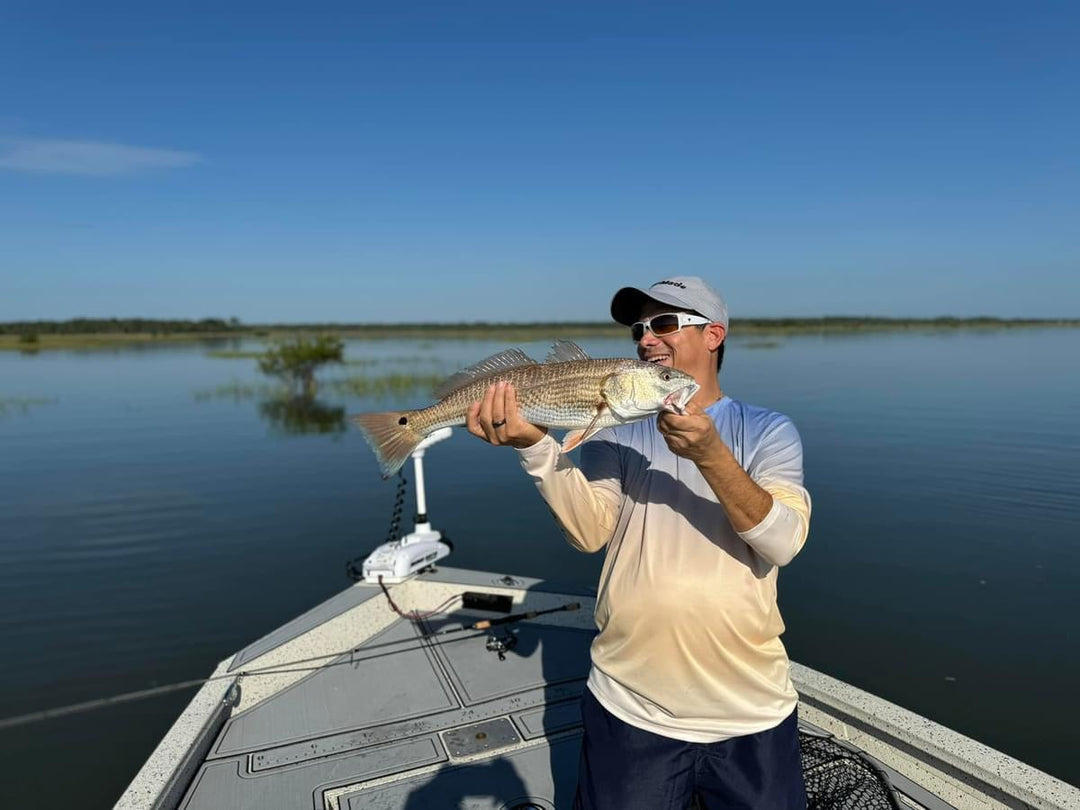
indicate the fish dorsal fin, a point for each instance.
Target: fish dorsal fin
{"x":511,"y":358}
{"x":564,"y":351}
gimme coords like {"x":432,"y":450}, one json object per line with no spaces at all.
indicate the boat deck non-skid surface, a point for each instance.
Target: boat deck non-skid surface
{"x":351,"y":706}
{"x":366,"y":729}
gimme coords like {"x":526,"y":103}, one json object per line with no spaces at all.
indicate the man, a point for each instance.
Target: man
{"x":689,"y":695}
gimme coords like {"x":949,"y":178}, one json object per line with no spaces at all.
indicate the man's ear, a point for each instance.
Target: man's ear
{"x":714,"y":335}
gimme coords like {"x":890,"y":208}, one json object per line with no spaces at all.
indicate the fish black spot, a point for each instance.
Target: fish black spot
{"x":403,"y":420}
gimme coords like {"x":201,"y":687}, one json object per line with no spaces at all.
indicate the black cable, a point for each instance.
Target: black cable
{"x":416,"y":615}
{"x":399,"y":504}
{"x":354,"y":569}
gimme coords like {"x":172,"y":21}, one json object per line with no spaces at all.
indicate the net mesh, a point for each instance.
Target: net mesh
{"x":840,"y":779}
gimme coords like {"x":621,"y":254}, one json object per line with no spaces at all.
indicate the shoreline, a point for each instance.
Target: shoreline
{"x":12,"y":335}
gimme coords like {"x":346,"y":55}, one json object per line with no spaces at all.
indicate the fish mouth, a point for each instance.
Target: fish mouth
{"x":676,"y":401}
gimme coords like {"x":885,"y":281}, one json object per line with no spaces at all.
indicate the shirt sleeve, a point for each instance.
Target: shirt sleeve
{"x":777,"y":468}
{"x":585,"y":501}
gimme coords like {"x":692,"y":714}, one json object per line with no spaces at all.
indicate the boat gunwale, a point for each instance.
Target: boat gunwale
{"x":986,"y":769}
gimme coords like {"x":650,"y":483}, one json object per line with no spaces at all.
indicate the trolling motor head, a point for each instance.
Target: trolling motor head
{"x":423,"y":546}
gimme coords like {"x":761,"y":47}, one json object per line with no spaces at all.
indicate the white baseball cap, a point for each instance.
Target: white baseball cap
{"x":684,"y":292}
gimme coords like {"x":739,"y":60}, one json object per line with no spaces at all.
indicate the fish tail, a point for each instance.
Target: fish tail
{"x":392,"y":435}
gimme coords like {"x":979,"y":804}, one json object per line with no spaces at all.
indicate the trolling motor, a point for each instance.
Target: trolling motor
{"x":423,"y":546}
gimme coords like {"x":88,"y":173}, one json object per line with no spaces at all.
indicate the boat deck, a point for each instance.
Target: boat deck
{"x":366,"y":709}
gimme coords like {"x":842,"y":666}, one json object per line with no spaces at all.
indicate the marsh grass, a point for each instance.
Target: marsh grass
{"x":11,"y":405}
{"x":382,"y":385}
{"x":228,"y":354}
{"x":429,"y":333}
{"x":405,"y":360}
{"x":238,"y":391}
{"x":356,"y":362}
{"x":48,"y":342}
{"x":359,"y":385}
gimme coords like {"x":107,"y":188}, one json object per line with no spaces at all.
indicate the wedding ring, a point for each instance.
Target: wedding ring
{"x":498,"y":424}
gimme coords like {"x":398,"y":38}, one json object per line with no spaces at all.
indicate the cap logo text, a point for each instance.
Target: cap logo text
{"x":678,"y":284}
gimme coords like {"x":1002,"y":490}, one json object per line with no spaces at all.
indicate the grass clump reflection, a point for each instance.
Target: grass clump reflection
{"x":301,"y":415}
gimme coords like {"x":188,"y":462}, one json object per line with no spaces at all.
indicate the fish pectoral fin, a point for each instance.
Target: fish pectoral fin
{"x":612,"y":402}
{"x":577,"y":437}
{"x":571,"y":440}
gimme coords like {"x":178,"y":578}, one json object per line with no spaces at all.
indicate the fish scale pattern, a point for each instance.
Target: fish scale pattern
{"x":557,"y":395}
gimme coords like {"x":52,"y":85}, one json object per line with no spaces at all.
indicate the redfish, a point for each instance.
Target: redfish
{"x":568,"y":390}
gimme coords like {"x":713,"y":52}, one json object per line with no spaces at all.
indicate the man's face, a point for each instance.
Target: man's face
{"x":690,"y":349}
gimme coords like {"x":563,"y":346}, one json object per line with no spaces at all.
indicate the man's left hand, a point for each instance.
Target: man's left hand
{"x":691,"y":435}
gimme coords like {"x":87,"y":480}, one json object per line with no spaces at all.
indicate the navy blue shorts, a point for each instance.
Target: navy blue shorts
{"x":625,"y":768}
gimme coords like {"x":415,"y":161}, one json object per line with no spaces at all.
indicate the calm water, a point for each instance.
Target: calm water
{"x":146,"y":533}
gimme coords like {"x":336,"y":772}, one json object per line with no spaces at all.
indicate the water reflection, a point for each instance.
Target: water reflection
{"x":905,"y":437}
{"x":300,"y":415}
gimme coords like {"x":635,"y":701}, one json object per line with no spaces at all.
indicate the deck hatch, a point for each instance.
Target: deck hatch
{"x":391,"y":685}
{"x":223,"y":784}
{"x":545,"y":775}
{"x":490,"y":735}
{"x":543,"y":655}
{"x":549,"y":719}
{"x":333,"y":744}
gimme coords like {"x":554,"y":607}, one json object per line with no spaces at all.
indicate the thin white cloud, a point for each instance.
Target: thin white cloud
{"x":51,"y":156}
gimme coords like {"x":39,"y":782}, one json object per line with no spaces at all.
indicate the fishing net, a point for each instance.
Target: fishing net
{"x":839,"y":778}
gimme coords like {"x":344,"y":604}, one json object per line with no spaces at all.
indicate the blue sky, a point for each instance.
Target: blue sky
{"x":520,"y":161}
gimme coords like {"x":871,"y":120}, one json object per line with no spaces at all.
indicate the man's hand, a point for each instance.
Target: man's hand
{"x":497,"y":420}
{"x":691,"y":435}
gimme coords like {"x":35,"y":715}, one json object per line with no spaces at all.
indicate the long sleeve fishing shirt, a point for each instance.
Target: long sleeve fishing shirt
{"x":689,"y":643}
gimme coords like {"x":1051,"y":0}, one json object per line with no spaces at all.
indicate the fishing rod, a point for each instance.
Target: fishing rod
{"x":280,"y":669}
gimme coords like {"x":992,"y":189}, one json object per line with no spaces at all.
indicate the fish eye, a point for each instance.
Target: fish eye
{"x":666,"y":375}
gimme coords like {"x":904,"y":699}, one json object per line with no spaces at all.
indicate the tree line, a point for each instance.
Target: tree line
{"x":126,"y":326}
{"x":153,"y":326}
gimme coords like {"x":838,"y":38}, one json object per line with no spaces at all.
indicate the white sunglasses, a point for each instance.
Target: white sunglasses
{"x":667,"y":323}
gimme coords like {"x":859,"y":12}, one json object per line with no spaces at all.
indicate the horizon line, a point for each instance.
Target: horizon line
{"x":237,"y":323}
